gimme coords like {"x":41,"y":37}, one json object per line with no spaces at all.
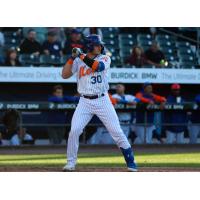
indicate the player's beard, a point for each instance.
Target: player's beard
{"x":96,"y":51}
{"x":93,"y":54}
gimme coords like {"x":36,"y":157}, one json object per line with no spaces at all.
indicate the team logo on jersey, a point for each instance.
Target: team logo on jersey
{"x":84,"y":71}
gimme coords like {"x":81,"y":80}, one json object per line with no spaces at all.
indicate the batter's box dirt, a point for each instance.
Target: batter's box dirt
{"x":89,"y":169}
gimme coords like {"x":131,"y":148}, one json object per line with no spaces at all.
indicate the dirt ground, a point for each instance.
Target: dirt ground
{"x":89,"y":149}
{"x":54,"y":169}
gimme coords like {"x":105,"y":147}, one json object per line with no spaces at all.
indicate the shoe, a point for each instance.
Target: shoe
{"x":69,"y":168}
{"x":129,"y":158}
{"x":132,"y":168}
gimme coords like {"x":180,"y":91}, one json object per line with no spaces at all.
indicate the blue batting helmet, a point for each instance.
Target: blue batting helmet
{"x":93,"y":40}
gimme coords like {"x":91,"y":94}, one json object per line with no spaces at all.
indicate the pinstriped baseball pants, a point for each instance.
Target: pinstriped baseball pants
{"x":86,"y":109}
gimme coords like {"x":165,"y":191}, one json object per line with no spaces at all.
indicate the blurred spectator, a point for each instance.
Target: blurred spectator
{"x":67,"y":31}
{"x":92,"y":30}
{"x":59,"y":32}
{"x":102,"y":136}
{"x":125,"y":117}
{"x":56,"y":133}
{"x":113,"y":100}
{"x":175,"y":133}
{"x":144,"y":132}
{"x":194,"y":130}
{"x":74,"y":41}
{"x":11,"y":58}
{"x":30,"y":45}
{"x":155,"y":56}
{"x":124,"y":98}
{"x":2,"y":39}
{"x":41,"y":33}
{"x":52,"y":46}
{"x":11,"y":120}
{"x":137,"y":57}
{"x":21,"y":137}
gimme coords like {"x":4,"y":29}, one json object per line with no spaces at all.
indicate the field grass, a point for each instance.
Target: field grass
{"x":103,"y":160}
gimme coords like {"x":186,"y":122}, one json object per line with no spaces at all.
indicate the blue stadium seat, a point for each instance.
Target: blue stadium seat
{"x":12,"y":40}
{"x":188,"y":61}
{"x":50,"y":60}
{"x":165,"y":37}
{"x":145,"y":47}
{"x":165,"y":43}
{"x":113,"y":41}
{"x":2,"y":51}
{"x":167,"y":50}
{"x":186,"y":54}
{"x":116,"y":61}
{"x":142,"y":37}
{"x":171,"y":57}
{"x":188,"y":58}
{"x":2,"y":56}
{"x":145,"y":43}
{"x":126,"y":38}
{"x":64,"y":59}
{"x":144,"y":40}
{"x":109,"y":36}
{"x":182,"y":44}
{"x":29,"y":60}
{"x":187,"y":65}
{"x":112,"y":46}
{"x":184,"y":51}
{"x":127,"y":41}
{"x":109,"y":30}
{"x":11,"y":43}
{"x":183,"y":29}
{"x":113,"y":50}
{"x":125,"y":53}
{"x":126,"y":44}
{"x":10,"y":34}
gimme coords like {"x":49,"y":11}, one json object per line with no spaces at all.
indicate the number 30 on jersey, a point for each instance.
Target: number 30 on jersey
{"x":96,"y":79}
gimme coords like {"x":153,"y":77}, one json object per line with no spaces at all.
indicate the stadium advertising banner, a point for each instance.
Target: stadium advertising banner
{"x":123,"y":75}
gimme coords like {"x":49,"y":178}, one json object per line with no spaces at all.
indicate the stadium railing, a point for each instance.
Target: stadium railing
{"x":51,"y":107}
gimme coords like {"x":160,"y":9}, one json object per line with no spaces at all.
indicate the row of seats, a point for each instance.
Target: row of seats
{"x":43,"y":60}
{"x":120,"y":45}
{"x":175,"y":51}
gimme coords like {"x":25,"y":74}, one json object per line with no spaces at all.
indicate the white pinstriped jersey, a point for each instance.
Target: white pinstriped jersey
{"x":89,"y":82}
{"x":93,"y":83}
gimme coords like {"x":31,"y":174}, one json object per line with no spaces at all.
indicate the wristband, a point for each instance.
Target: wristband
{"x":90,"y":62}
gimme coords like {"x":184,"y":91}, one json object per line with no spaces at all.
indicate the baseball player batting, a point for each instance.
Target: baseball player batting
{"x":92,"y":82}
